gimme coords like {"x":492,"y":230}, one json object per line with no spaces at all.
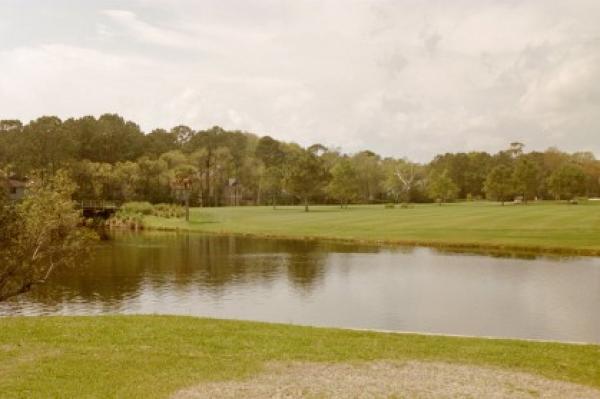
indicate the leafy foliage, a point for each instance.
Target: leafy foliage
{"x":110,"y":158}
{"x":131,"y":214}
{"x":39,"y":235}
{"x":526,"y":178}
{"x":305,"y":176}
{"x":344,"y":184}
{"x":441,"y":187}
{"x":499,"y":184}
{"x":567,"y":182}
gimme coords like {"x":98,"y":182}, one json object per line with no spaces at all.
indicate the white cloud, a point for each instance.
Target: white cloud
{"x":401,"y":77}
{"x":146,"y":32}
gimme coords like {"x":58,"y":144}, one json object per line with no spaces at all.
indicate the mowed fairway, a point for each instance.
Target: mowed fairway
{"x":552,"y":227}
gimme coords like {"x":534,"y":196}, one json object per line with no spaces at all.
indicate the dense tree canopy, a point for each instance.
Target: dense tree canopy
{"x":442,"y":187}
{"x":305,"y":175}
{"x":111,"y":158}
{"x":499,"y":184}
{"x":567,"y":182}
{"x":526,"y":178}
{"x":344,"y":185}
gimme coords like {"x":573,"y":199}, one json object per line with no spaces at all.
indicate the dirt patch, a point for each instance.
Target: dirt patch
{"x":388,"y":380}
{"x":8,"y":348}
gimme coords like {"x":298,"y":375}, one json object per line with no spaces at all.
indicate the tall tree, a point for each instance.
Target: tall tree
{"x":269,"y":151}
{"x":407,"y":175}
{"x":441,"y":187}
{"x":515,"y":149}
{"x":567,"y":182}
{"x":477,"y":169}
{"x":160,"y":141}
{"x":271,"y":183}
{"x":182,"y":134}
{"x":10,"y":131}
{"x":526,"y":178}
{"x":344,"y":185}
{"x":305,"y":176}
{"x":369,"y":174}
{"x":499,"y":184}
{"x":45,"y":146}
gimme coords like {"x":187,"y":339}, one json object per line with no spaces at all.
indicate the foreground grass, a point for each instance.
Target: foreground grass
{"x":153,"y":356}
{"x":548,"y":227}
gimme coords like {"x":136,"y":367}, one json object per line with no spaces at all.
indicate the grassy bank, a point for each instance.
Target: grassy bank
{"x":545,"y":227}
{"x":153,"y":356}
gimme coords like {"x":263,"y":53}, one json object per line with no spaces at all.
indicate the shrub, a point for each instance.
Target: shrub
{"x":168,"y":211}
{"x":126,"y":219}
{"x":140,"y":208}
{"x":131,"y":214}
{"x":389,"y":206}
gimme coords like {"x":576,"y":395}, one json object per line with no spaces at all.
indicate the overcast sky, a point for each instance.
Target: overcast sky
{"x":404,"y":78}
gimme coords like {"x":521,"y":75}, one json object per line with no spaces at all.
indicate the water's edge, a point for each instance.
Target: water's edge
{"x":490,"y":249}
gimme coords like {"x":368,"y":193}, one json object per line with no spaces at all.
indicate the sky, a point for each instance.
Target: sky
{"x":403,"y":78}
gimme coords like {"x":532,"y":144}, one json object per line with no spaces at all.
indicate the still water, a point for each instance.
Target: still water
{"x":330,"y":284}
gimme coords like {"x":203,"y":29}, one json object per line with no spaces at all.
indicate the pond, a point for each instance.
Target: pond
{"x":324,"y":283}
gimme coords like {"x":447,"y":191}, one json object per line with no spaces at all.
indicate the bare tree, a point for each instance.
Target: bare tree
{"x":407,"y":177}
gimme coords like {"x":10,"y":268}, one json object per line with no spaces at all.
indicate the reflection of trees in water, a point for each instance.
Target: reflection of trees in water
{"x":305,"y":270}
{"x":221,"y":261}
{"x":122,"y":268}
{"x":114,"y":275}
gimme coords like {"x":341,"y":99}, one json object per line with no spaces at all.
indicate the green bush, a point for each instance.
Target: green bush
{"x":389,"y":206}
{"x":140,"y":208}
{"x":168,"y":211}
{"x":126,"y":219}
{"x":136,"y":211}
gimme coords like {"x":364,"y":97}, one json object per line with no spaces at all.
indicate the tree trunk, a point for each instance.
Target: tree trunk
{"x":207,"y":179}
{"x":305,"y":204}
{"x":187,"y":208}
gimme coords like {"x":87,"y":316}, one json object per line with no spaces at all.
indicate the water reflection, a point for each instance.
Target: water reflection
{"x":332,"y":284}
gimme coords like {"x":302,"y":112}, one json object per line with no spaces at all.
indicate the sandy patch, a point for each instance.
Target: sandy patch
{"x":8,"y":348}
{"x":388,"y":380}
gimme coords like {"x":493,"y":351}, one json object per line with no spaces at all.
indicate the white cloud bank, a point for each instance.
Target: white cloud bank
{"x":403,"y":78}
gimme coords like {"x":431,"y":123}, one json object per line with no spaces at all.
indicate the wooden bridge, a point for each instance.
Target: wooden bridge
{"x":98,"y":208}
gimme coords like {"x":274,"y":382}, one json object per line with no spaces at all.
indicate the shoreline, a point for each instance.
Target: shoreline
{"x":312,"y":326}
{"x":458,"y":247}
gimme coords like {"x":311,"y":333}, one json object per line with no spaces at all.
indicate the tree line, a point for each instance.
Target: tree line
{"x":113,"y":159}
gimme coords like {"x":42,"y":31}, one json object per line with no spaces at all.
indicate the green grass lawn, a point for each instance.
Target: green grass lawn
{"x":153,"y":356}
{"x":549,"y":226}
